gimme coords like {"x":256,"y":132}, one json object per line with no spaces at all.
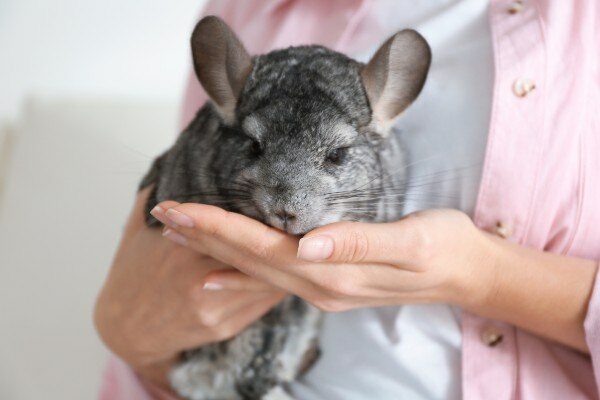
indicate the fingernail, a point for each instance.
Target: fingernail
{"x":315,"y":248}
{"x":157,"y":212}
{"x":179,"y":218}
{"x":212,"y":286}
{"x":175,"y":237}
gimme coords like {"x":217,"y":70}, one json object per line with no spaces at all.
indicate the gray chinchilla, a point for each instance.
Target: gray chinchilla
{"x":296,"y":138}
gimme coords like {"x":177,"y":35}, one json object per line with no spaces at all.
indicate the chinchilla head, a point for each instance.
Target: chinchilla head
{"x":302,"y":128}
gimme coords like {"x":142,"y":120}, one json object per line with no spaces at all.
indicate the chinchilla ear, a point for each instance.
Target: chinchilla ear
{"x":396,"y":74}
{"x":221,"y":62}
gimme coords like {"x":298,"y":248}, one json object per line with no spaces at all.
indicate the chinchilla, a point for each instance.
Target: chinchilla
{"x":296,"y":138}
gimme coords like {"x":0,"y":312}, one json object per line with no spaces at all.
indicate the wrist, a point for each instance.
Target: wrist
{"x":477,"y":281}
{"x":544,"y":293}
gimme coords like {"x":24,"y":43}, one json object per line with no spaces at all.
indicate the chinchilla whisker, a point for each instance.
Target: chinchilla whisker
{"x":425,"y":196}
{"x":432,"y":179}
{"x":367,"y":203}
{"x":215,"y":197}
{"x":390,"y":199}
{"x":457,"y":171}
{"x":420,"y":193}
{"x":233,"y":188}
{"x":123,"y":172}
{"x":223,"y":193}
{"x":411,"y":179}
{"x":408,"y":184}
{"x":386,"y":188}
{"x":203,"y":174}
{"x":432,"y":182}
{"x":139,"y":153}
{"x":395,"y":199}
{"x":412,"y":164}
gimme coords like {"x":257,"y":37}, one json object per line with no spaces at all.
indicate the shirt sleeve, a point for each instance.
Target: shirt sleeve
{"x":592,"y":327}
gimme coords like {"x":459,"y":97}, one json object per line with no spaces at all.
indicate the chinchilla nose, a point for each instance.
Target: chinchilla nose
{"x":292,"y":211}
{"x":285,"y":216}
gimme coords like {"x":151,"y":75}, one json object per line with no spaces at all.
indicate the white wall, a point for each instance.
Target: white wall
{"x":73,"y":172}
{"x":111,"y":73}
{"x":107,"y":48}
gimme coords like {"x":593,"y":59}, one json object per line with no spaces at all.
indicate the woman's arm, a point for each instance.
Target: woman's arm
{"x":541,"y":292}
{"x":435,"y":256}
{"x":154,"y":305}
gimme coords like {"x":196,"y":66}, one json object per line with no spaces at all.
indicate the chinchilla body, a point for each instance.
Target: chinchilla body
{"x":297,"y":138}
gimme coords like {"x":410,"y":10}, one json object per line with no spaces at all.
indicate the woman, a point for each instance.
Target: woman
{"x":500,"y":305}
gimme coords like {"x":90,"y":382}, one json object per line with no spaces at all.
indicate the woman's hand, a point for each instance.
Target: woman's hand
{"x":431,"y":256}
{"x":154,"y":305}
{"x":424,"y":258}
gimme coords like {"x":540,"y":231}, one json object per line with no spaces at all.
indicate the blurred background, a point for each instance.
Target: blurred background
{"x":89,"y":94}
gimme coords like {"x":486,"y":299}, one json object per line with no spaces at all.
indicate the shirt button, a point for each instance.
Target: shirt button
{"x":522,"y":86}
{"x":491,"y":337}
{"x":515,"y":7}
{"x":503,"y":230}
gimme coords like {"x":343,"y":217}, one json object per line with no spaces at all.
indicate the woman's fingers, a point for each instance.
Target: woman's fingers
{"x":245,"y":316}
{"x":345,"y":242}
{"x":239,"y":241}
{"x":396,"y":243}
{"x":159,"y":212}
{"x":216,"y":307}
{"x":251,"y":237}
{"x":280,"y":276}
{"x":235,"y":280}
{"x":358,"y":251}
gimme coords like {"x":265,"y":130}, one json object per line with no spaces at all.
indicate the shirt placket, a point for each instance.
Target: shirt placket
{"x":515,"y":145}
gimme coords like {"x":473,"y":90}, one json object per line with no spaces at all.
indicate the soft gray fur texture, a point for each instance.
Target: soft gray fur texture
{"x":292,"y":138}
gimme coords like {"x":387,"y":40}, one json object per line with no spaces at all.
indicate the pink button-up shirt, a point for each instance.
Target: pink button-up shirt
{"x":541,"y":178}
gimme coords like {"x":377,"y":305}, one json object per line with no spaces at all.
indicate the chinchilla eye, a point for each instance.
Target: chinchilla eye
{"x":336,"y":156}
{"x":255,"y":148}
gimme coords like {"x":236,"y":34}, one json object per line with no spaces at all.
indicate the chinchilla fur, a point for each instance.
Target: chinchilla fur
{"x":296,"y":138}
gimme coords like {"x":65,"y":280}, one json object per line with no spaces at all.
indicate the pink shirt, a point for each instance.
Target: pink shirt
{"x":541,"y":178}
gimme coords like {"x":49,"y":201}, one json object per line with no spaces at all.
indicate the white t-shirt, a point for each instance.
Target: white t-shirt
{"x":414,"y":351}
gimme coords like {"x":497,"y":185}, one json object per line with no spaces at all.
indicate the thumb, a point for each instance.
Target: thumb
{"x":355,"y":242}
